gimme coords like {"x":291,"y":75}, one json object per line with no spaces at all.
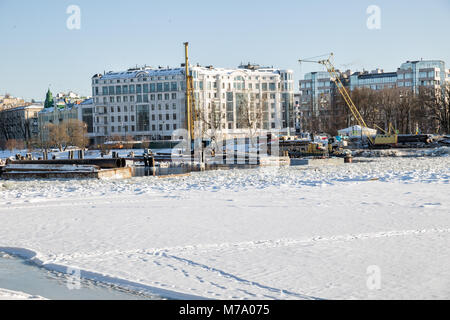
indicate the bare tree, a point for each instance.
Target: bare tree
{"x":249,"y":116}
{"x":436,"y":104}
{"x":76,"y":133}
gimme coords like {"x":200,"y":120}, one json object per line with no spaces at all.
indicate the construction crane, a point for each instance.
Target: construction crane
{"x":380,"y":140}
{"x":190,"y":98}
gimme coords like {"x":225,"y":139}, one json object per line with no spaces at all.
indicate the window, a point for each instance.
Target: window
{"x":152,"y":87}
{"x":111,"y":90}
{"x":159,"y":87}
{"x":174,"y":116}
{"x":142,"y":116}
{"x":138,"y":88}
{"x":112,"y":118}
{"x":125,"y":89}
{"x":112,"y":109}
{"x":145,"y":88}
{"x":118,"y":90}
{"x":167,"y":116}
{"x":132,"y":89}
{"x":173,"y":86}
{"x":166,"y":86}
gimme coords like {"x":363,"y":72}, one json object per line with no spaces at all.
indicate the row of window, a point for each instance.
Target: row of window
{"x":173,"y":86}
{"x":138,"y":88}
{"x":97,"y":81}
{"x":161,"y":127}
{"x":138,"y":98}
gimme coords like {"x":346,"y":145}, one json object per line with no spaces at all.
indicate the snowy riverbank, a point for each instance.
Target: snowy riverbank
{"x":15,"y":295}
{"x":269,"y":233}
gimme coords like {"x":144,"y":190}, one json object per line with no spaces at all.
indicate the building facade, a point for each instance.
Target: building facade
{"x":20,"y":123}
{"x":83,"y":111}
{"x":150,"y":104}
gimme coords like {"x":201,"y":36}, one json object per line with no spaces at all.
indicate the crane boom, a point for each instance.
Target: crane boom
{"x":342,"y":90}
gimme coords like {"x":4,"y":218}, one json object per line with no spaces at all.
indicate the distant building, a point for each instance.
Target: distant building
{"x":8,"y":101}
{"x":375,"y":80}
{"x":20,"y":123}
{"x":315,"y":104}
{"x":149,"y":104}
{"x":61,"y":113}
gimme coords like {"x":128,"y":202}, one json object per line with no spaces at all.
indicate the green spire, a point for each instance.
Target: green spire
{"x":48,"y":100}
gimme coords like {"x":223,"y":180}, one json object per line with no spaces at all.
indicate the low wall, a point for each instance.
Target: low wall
{"x":317,"y":162}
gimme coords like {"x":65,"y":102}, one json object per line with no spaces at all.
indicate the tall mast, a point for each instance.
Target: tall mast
{"x":189,"y":95}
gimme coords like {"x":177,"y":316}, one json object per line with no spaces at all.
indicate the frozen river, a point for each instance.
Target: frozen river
{"x":17,"y":274}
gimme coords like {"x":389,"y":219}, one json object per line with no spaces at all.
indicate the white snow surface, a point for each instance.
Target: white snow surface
{"x":15,"y":295}
{"x":269,"y":233}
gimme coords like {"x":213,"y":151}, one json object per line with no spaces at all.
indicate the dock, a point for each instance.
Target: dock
{"x":62,"y":171}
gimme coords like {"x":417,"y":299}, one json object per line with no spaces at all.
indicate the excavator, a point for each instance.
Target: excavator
{"x":381,"y":141}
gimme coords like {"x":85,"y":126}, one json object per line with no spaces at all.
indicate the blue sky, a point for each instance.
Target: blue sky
{"x":37,"y":49}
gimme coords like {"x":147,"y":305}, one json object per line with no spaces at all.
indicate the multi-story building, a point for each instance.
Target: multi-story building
{"x":375,"y":80}
{"x":416,"y":74}
{"x":315,"y":104}
{"x":83,"y":111}
{"x":20,"y":123}
{"x":149,"y":104}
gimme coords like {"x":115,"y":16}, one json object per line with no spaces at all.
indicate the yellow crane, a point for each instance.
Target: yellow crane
{"x":380,"y":140}
{"x":190,"y":98}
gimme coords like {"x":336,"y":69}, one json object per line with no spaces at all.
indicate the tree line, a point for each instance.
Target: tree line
{"x":426,"y":111}
{"x":72,"y":132}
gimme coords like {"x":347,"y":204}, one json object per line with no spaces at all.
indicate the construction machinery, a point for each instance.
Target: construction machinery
{"x":387,"y":139}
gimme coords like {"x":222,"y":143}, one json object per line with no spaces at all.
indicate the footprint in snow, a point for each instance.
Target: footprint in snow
{"x":430,"y":205}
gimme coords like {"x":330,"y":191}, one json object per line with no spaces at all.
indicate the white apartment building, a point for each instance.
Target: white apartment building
{"x":149,"y":104}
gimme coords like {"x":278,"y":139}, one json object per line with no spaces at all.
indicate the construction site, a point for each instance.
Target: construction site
{"x":199,"y":151}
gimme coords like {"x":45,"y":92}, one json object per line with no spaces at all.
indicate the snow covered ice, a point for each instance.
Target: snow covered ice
{"x":268,"y":233}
